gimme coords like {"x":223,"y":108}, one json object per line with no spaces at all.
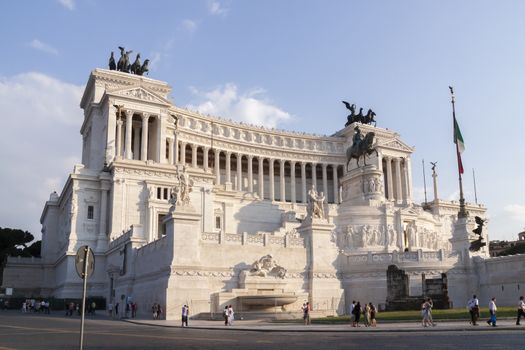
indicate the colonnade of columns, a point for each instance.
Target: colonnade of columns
{"x":237,"y":170}
{"x":398,"y":186}
{"x":135,"y":140}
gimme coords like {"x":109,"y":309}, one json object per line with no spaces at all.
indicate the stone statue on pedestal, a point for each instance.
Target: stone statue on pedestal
{"x":315,"y":207}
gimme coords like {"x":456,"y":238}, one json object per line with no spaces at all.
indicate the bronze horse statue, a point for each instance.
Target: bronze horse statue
{"x":123,"y":62}
{"x":362,"y":149}
{"x":369,"y":118}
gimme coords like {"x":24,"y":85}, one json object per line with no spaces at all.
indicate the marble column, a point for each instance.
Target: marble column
{"x":314,"y":176}
{"x":408,"y":165}
{"x":250,"y":174}
{"x":144,"y":141}
{"x":129,"y":120}
{"x":303,"y":181}
{"x":228,"y":168}
{"x":118,"y":152}
{"x":272,"y":179}
{"x":292,"y":181}
{"x":282,"y":190}
{"x":399,"y":194}
{"x":239,"y":171}
{"x":136,"y":144}
{"x":261,"y":177}
{"x":170,"y":151}
{"x":205,"y":158}
{"x":389,"y":178}
{"x":176,"y":149}
{"x":325,"y":182}
{"x":102,"y":238}
{"x":194,"y":155}
{"x":217,"y":163}
{"x":183,"y":153}
{"x":335,"y":183}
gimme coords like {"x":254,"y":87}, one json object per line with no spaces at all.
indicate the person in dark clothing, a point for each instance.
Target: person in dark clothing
{"x":357,"y":314}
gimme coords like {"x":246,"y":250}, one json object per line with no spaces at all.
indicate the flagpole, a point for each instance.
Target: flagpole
{"x":462,"y":212}
{"x":424,"y":181}
{"x":475,"y":192}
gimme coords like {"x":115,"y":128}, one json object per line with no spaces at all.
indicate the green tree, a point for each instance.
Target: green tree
{"x":13,"y":242}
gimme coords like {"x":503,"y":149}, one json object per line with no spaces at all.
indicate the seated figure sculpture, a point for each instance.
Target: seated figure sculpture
{"x":267,"y":266}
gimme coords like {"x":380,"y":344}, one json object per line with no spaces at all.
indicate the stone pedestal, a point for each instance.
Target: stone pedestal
{"x":324,"y":286}
{"x":182,"y":233}
{"x":363,"y":186}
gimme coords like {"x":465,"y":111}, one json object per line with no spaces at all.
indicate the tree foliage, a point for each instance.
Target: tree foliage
{"x":515,"y":249}
{"x":14,"y":242}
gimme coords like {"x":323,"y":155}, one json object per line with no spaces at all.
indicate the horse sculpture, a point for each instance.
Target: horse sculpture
{"x":369,"y":118}
{"x":144,"y":68}
{"x":135,"y":67}
{"x":362,"y":149}
{"x":123,"y":62}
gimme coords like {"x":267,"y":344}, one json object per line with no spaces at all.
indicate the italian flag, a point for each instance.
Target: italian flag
{"x":460,"y":145}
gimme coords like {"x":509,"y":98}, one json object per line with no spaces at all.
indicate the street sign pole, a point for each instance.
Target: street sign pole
{"x":83,"y":310}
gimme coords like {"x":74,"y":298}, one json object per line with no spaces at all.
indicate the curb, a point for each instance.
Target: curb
{"x":349,"y":331}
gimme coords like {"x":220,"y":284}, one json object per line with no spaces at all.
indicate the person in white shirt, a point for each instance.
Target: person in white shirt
{"x":492,"y":309}
{"x":230,"y":315}
{"x":185,"y":312}
{"x":521,"y":310}
{"x":352,"y":316}
{"x":473,"y":308}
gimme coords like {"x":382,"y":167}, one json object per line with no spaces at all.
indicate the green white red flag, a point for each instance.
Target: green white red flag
{"x":460,"y":145}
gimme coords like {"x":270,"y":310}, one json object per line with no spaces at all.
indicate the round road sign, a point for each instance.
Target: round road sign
{"x":83,"y":253}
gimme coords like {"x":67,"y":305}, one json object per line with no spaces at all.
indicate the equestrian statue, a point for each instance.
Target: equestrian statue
{"x":361,"y":147}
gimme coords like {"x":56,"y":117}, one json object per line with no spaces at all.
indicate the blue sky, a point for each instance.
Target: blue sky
{"x":288,"y":63}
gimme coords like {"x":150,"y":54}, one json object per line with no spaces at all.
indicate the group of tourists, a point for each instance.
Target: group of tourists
{"x":228,"y":315}
{"x":156,"y":310}
{"x":32,"y":305}
{"x":473,"y":308}
{"x":367,"y":312}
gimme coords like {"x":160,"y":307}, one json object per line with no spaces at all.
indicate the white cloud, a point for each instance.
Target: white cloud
{"x":189,"y":25}
{"x":515,"y":212}
{"x":251,"y":107}
{"x":216,"y":8}
{"x":39,"y":143}
{"x":39,"y":45}
{"x":69,"y":4}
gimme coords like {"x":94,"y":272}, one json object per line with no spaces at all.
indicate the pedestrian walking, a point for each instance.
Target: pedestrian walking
{"x":154,"y":311}
{"x":473,"y":308}
{"x":492,"y":309}
{"x":110,"y":310}
{"x":366,"y":315}
{"x":521,"y":310}
{"x":231,"y":315}
{"x":373,"y":312}
{"x":357,"y":314}
{"x":426,"y":313}
{"x":352,"y":316}
{"x":225,"y":315}
{"x":185,"y":312}
{"x":306,"y":313}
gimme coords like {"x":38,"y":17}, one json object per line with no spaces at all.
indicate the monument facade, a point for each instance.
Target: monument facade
{"x":184,"y":208}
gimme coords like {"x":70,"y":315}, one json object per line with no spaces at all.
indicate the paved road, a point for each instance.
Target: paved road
{"x":30,"y":331}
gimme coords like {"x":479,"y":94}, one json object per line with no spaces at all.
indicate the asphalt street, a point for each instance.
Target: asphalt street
{"x":35,"y":331}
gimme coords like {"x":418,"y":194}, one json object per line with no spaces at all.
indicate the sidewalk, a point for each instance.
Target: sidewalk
{"x":265,"y":326}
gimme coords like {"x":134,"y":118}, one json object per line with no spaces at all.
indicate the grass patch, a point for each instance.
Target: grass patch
{"x":415,"y":315}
